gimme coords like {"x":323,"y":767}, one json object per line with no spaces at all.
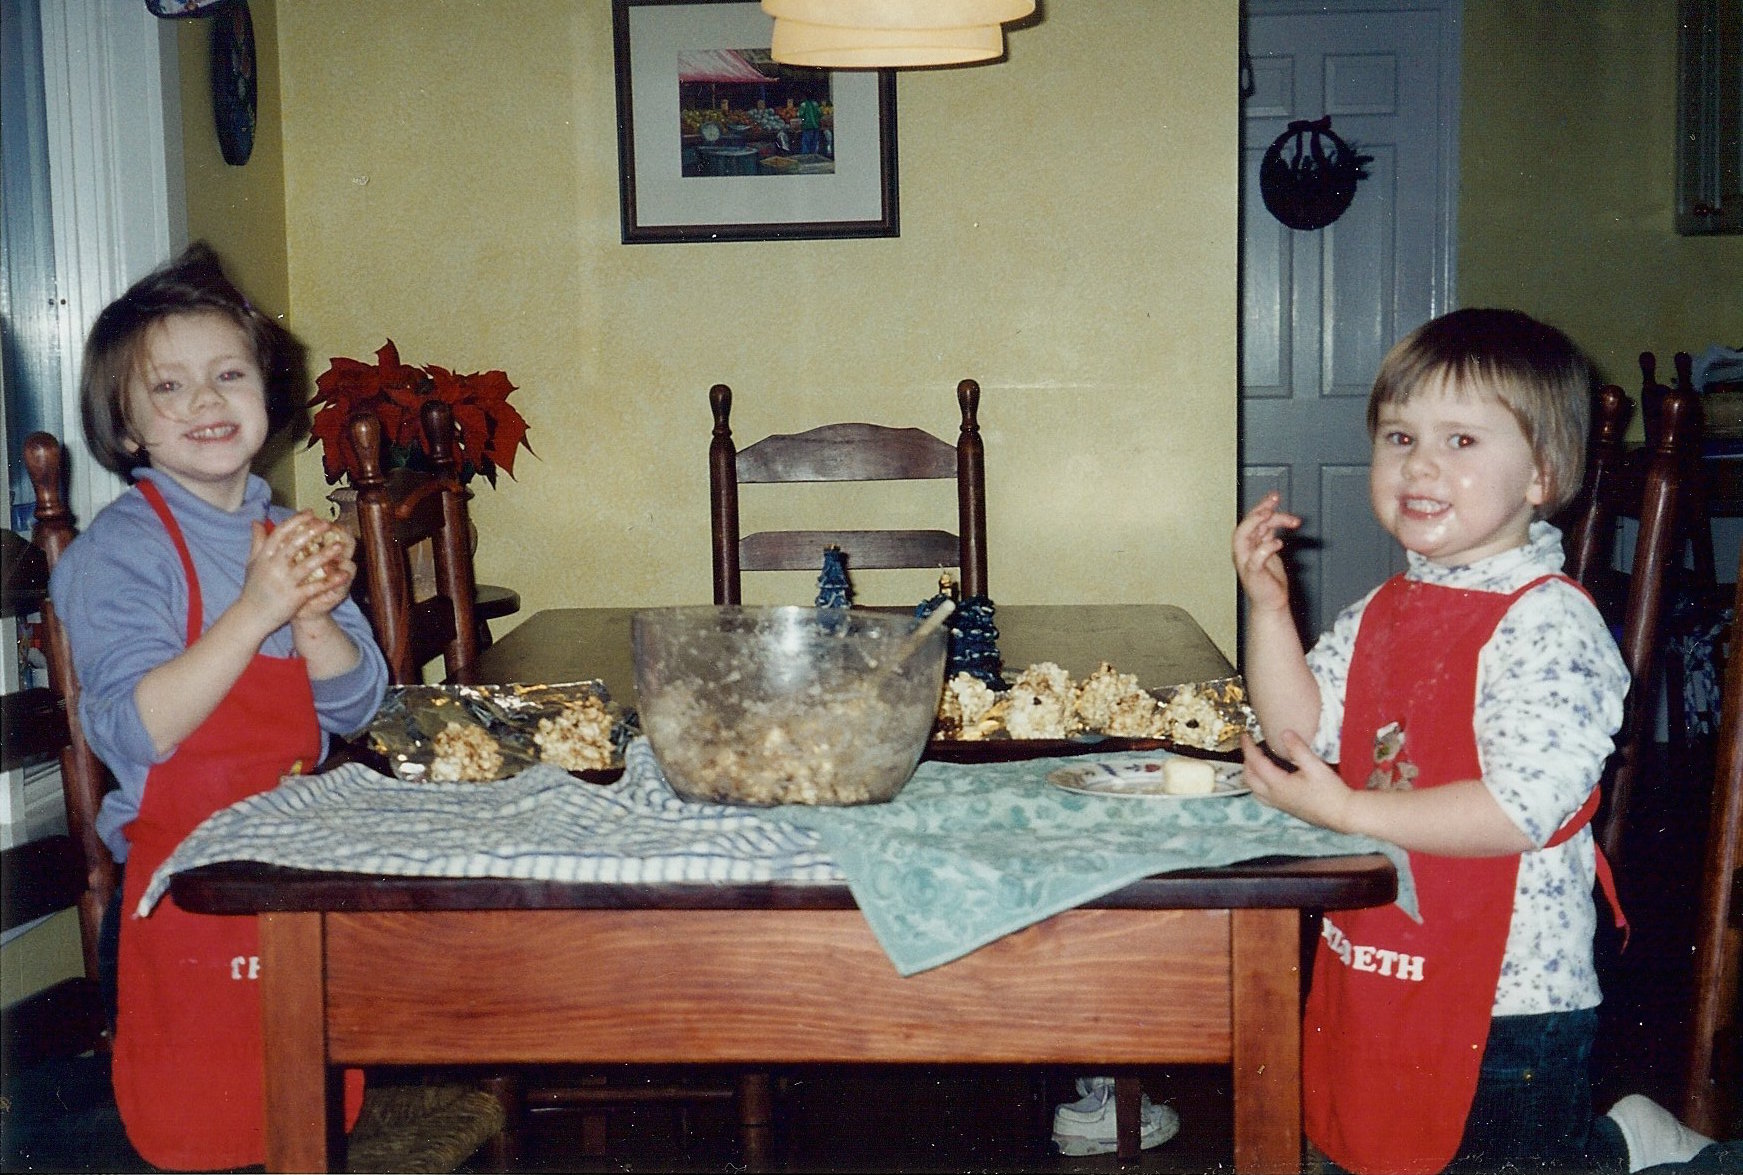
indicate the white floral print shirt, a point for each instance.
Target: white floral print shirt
{"x":1550,"y":686}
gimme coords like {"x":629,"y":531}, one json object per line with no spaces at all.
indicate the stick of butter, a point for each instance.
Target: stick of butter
{"x":1187,"y":777}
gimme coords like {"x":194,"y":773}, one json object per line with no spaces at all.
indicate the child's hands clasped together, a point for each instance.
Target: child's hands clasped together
{"x":307,"y":564}
{"x":298,"y":572}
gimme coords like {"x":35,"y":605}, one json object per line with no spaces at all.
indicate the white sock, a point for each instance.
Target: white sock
{"x":1653,"y":1133}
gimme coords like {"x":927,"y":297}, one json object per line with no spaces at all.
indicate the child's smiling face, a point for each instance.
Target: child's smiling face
{"x":1453,"y":477}
{"x":198,"y":407}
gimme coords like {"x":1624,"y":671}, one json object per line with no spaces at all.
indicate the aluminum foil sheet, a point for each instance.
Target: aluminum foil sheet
{"x":404,"y":730}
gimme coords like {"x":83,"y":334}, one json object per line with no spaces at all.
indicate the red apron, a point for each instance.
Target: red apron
{"x":1395,"y":1024}
{"x":187,"y":1057}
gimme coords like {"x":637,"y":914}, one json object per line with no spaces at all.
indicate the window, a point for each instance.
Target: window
{"x":1709,"y":145}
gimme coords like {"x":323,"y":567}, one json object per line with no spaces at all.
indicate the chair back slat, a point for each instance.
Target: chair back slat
{"x":848,"y":452}
{"x":797,"y":550}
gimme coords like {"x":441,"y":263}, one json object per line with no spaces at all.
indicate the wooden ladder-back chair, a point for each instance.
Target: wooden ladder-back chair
{"x":1711,"y":1099}
{"x":1656,"y":486}
{"x":848,"y":452}
{"x":60,"y":871}
{"x":396,"y":511}
{"x":1702,"y":573}
{"x":84,"y":779}
{"x":851,"y":452}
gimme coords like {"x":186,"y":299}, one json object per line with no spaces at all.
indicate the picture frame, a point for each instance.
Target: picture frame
{"x":717,"y":142}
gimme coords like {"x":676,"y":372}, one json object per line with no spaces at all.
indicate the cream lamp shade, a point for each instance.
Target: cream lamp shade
{"x":890,"y":34}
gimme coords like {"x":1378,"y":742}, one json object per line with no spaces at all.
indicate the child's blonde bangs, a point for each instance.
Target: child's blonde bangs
{"x":1532,"y":369}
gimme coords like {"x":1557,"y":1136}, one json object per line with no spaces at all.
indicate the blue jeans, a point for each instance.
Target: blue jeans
{"x":109,"y":948}
{"x":1533,"y":1106}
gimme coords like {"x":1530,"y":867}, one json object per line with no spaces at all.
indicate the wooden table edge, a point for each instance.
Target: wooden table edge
{"x":245,"y":887}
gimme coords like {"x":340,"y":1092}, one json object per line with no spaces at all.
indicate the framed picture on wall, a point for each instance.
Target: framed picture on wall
{"x":718,"y":142}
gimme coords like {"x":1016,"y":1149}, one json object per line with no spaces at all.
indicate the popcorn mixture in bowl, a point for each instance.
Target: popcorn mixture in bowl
{"x":767,"y":706}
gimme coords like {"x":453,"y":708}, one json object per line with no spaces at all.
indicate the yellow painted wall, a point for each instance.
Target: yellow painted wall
{"x":1568,"y":153}
{"x":446,"y":175}
{"x":1068,"y":225}
{"x":41,"y":957}
{"x":240,"y":210}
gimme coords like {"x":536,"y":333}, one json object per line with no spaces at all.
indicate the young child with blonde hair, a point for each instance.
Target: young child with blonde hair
{"x":1464,"y":711}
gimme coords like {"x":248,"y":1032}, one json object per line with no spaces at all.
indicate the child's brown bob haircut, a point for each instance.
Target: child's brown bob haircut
{"x":118,"y":349}
{"x":1533,"y":369}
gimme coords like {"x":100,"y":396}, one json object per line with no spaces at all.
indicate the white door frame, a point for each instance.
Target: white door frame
{"x":112,"y":95}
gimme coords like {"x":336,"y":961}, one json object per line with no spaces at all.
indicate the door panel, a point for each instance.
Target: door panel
{"x":1320,"y":309}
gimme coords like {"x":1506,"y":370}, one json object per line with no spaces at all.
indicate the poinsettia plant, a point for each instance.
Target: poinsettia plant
{"x":488,"y":430}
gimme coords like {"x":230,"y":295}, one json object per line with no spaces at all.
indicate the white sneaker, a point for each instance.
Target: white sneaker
{"x":1086,"y":1126}
{"x":1653,"y":1133}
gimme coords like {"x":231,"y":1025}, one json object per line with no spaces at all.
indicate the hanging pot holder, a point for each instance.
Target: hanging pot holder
{"x":1308,"y":175}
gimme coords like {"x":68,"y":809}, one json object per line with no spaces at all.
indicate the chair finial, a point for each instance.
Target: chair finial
{"x":366,"y":449}
{"x":720,"y":403}
{"x":968,"y":400}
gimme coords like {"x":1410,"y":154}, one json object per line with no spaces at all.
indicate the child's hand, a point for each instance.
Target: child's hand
{"x":329,"y":558}
{"x":274,"y":585}
{"x":1258,"y":554}
{"x":1313,"y":791}
{"x":282,"y":579}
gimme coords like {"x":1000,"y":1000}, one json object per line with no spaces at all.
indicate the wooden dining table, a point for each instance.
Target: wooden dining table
{"x":1201,"y":966}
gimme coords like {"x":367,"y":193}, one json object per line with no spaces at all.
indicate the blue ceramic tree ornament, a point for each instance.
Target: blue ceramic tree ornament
{"x":974,"y":638}
{"x":834,"y":589}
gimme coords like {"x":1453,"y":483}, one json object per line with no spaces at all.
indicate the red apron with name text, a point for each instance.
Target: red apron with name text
{"x":187,"y":1057}
{"x":1399,"y":1011}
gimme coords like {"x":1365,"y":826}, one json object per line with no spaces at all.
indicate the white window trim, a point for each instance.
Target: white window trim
{"x":113,"y":102}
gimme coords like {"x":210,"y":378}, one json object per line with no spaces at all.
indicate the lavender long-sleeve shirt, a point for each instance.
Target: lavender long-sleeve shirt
{"x":121,"y":592}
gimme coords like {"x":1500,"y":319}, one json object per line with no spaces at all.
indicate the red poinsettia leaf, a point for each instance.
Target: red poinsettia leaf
{"x":510,"y":433}
{"x":488,"y":387}
{"x":472,"y":431}
{"x":328,"y":427}
{"x":400,"y":410}
{"x":346,"y":383}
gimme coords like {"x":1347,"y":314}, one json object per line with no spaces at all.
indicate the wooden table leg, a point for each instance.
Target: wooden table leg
{"x":1266,"y":977}
{"x":303,"y":1131}
{"x":756,"y":1115}
{"x":1128,"y":1118}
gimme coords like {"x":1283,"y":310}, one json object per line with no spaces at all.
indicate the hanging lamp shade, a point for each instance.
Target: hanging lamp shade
{"x":889,"y":34}
{"x":835,"y":47}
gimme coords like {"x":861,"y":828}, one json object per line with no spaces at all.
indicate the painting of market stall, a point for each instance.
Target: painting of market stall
{"x":743,"y":114}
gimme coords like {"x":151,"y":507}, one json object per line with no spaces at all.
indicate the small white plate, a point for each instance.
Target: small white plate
{"x":1140,"y":780}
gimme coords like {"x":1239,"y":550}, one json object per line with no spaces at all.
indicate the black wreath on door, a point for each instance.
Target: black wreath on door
{"x":1308,"y":176}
